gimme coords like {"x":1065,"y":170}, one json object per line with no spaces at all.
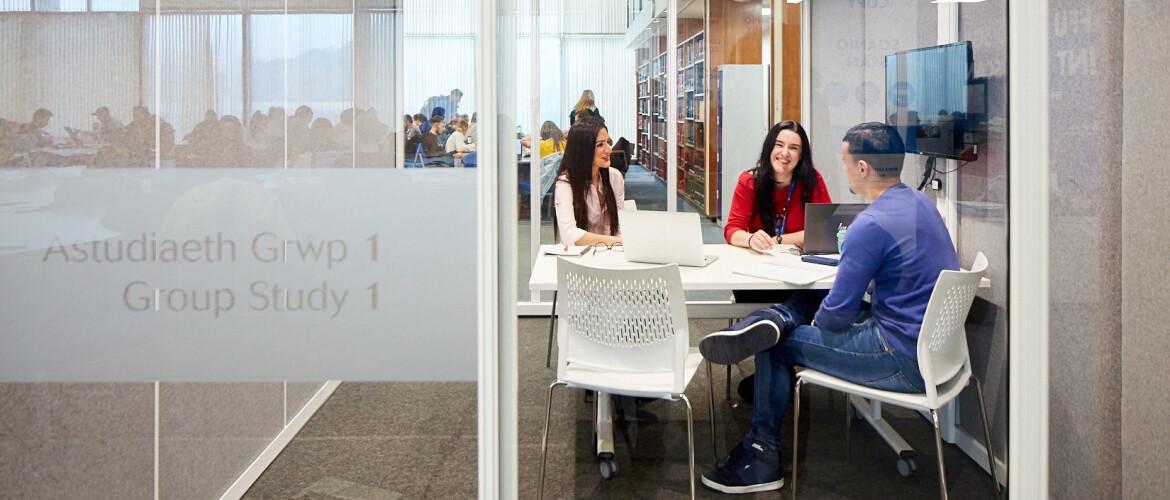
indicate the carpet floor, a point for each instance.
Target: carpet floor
{"x":398,"y":440}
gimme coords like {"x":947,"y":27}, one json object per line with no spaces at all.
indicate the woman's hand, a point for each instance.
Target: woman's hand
{"x":760,"y":241}
{"x":590,"y":239}
{"x":796,"y":238}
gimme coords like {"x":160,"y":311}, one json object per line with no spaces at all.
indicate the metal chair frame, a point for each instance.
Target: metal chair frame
{"x":943,"y":360}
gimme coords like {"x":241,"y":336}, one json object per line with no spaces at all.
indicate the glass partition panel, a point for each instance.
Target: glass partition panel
{"x":853,"y":45}
{"x":193,"y":266}
{"x":579,"y":51}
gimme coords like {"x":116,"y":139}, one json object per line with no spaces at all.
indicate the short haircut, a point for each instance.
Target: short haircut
{"x":457,"y":93}
{"x":879,"y":145}
{"x":437,"y":119}
{"x":419,"y":117}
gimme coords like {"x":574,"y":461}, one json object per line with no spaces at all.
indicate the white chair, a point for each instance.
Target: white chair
{"x":629,"y":205}
{"x":623,"y":332}
{"x":943,"y":361}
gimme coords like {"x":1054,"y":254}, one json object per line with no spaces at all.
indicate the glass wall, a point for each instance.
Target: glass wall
{"x":579,"y":47}
{"x":848,"y":70}
{"x":207,"y":241}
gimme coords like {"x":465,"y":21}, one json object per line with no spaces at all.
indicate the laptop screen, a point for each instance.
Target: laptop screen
{"x":662,"y":237}
{"x":821,"y":221}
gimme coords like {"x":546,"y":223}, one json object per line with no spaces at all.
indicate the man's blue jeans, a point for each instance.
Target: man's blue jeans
{"x":858,"y":354}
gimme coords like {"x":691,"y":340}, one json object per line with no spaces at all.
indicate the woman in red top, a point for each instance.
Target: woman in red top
{"x":768,"y":209}
{"x":768,"y":205}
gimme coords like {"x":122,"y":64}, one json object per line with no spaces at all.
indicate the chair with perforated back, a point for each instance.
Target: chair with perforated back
{"x":628,"y":205}
{"x":624,"y":332}
{"x":943,"y":361}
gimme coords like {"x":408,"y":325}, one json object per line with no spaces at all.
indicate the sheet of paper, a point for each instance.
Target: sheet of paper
{"x":569,"y":251}
{"x":802,"y":273}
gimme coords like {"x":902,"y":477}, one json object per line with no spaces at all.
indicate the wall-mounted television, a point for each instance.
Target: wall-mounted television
{"x":928,"y":99}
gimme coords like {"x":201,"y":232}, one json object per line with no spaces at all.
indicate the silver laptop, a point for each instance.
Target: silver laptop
{"x":821,"y":221}
{"x":663,"y":238}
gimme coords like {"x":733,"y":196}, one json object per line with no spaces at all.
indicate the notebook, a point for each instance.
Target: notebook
{"x":663,"y":238}
{"x":789,"y":269}
{"x":821,"y":222}
{"x":564,"y":250}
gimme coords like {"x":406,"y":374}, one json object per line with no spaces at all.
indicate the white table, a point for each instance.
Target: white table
{"x":716,"y":276}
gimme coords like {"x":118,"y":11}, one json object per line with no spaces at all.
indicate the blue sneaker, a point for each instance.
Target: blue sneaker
{"x":748,"y":469}
{"x":730,"y":346}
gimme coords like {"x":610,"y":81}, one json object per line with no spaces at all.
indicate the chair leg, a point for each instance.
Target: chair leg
{"x":544,"y":438}
{"x":552,"y":321}
{"x":795,"y":434}
{"x":987,"y":439}
{"x":727,"y":389}
{"x":711,"y":404}
{"x":942,"y":474}
{"x":691,"y":442}
{"x":848,"y":427}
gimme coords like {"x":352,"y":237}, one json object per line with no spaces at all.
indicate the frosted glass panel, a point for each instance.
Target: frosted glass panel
{"x":114,"y":5}
{"x":14,"y":5}
{"x":61,"y":5}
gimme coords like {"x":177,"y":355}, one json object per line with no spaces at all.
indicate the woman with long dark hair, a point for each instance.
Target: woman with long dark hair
{"x":551,"y":139}
{"x":768,"y":208}
{"x":768,"y":205}
{"x":587,"y":193}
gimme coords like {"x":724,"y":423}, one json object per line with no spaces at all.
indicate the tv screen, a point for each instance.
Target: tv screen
{"x":928,"y":99}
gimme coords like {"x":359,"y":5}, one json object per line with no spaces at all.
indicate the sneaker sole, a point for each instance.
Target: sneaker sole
{"x":751,"y":488}
{"x":730,"y":347}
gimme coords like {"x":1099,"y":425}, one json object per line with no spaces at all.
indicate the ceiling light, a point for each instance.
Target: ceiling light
{"x":766,"y":11}
{"x":954,"y":1}
{"x":793,"y":1}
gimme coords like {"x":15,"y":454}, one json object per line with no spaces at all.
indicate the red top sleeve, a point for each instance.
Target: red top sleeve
{"x":743,"y":216}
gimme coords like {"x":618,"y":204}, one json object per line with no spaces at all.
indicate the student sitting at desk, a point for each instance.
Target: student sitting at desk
{"x":457,"y":141}
{"x":551,"y":139}
{"x":900,"y":244}
{"x":587,"y":193}
{"x":433,"y":147}
{"x":768,"y":205}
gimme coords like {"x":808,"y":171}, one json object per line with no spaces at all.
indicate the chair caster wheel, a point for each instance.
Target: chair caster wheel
{"x":608,"y":469}
{"x":907,"y":466}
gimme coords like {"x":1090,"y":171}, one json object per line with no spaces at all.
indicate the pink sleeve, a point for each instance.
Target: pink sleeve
{"x":618,"y":183}
{"x":566,"y":221}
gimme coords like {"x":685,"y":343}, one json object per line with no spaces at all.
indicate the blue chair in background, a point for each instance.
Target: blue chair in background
{"x":420,"y":160}
{"x":548,"y":173}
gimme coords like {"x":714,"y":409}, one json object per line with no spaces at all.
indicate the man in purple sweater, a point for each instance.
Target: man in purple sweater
{"x":898,"y":245}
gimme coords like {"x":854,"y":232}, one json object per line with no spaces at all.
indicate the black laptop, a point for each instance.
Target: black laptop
{"x":821,"y":222}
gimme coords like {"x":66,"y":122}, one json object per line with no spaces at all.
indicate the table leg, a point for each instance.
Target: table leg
{"x":552,"y":321}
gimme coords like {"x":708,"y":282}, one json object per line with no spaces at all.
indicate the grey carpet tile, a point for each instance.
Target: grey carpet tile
{"x":418,"y":440}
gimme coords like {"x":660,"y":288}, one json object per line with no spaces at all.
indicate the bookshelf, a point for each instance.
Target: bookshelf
{"x":712,"y":33}
{"x":692,"y":115}
{"x":692,"y":172}
{"x":652,"y":111}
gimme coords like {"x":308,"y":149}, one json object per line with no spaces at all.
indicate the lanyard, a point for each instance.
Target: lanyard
{"x":784,"y":213}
